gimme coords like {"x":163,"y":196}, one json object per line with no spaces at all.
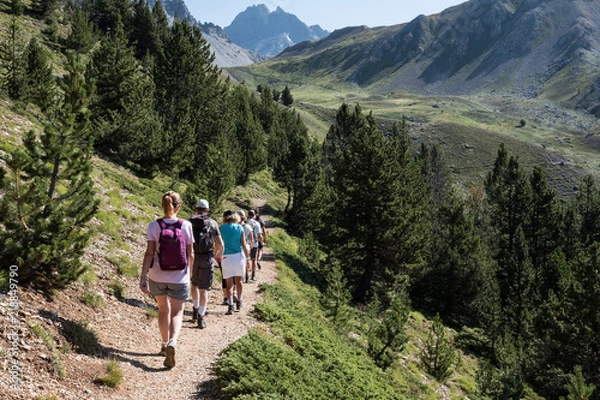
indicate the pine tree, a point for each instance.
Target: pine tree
{"x":267,"y":110}
{"x":585,"y":315}
{"x":44,"y":7}
{"x":49,"y":199}
{"x":191,"y":99}
{"x":217,"y":178}
{"x":454,"y":281}
{"x":126,"y":125}
{"x":249,"y":134}
{"x":378,"y":224}
{"x":291,"y":157}
{"x":12,"y":60}
{"x":107,"y":14}
{"x":578,"y":389}
{"x":83,"y":31}
{"x":52,"y":30}
{"x":436,"y":172}
{"x":286,"y":97}
{"x":162,"y":24}
{"x":588,"y":207}
{"x":144,"y":31}
{"x":438,"y":356}
{"x":542,"y":228}
{"x":519,"y":279}
{"x":509,"y":198}
{"x":336,"y":298}
{"x":387,"y":334}
{"x":17,"y":7}
{"x":40,"y":87}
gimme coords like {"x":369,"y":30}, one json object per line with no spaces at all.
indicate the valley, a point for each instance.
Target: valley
{"x":468,"y":128}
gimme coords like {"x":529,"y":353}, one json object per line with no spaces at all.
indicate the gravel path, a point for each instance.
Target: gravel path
{"x":124,"y":333}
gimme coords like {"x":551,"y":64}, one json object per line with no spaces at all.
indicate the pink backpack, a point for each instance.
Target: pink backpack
{"x":172,"y":254}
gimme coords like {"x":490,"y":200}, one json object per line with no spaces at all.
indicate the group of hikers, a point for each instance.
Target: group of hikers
{"x":181,"y":257}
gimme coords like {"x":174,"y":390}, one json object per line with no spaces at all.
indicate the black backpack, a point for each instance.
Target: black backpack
{"x":204,"y":237}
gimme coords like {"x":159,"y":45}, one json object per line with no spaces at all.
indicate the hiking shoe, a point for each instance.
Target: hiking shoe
{"x":229,"y":310}
{"x":170,"y":359}
{"x":253,"y":276}
{"x":225,"y":302}
{"x":163,"y":351}
{"x":201,"y":322}
{"x":238,"y":305}
{"x":194,"y":313}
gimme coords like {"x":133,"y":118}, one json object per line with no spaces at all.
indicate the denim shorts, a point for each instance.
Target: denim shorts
{"x":177,"y":291}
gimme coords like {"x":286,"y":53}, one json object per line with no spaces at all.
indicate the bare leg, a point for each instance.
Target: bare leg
{"x":177,"y":307}
{"x":164,"y":317}
{"x":239,"y":286}
{"x":203,"y":297}
{"x":229,"y":290}
{"x":196,"y":293}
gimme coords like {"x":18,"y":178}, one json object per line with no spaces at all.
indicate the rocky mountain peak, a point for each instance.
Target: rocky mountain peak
{"x":268,"y":33}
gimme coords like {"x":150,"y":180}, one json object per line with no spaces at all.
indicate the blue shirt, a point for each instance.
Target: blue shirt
{"x":232,"y":236}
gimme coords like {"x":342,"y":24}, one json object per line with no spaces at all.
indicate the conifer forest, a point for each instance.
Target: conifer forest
{"x":510,"y":259}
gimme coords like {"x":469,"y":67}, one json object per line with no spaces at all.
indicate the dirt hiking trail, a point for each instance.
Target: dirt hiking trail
{"x":124,"y":332}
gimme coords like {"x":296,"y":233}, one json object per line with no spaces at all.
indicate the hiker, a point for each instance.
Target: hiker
{"x":208,"y":250}
{"x":166,"y":271}
{"x":263,"y":242}
{"x":249,"y":236}
{"x":234,"y":256}
{"x":257,"y":236}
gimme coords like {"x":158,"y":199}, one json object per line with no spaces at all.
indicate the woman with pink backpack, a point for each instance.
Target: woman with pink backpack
{"x":166,"y":271}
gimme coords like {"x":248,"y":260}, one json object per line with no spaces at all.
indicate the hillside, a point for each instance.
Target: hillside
{"x":227,"y":53}
{"x":467,"y":75}
{"x":525,"y":49}
{"x":406,"y":275}
{"x":67,"y":338}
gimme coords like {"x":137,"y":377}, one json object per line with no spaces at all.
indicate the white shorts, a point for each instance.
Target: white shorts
{"x":233,"y":265}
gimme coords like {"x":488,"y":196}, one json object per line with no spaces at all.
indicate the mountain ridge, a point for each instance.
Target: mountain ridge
{"x":524,"y":47}
{"x":227,"y":53}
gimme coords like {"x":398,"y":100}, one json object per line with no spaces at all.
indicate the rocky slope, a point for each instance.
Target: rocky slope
{"x":526,"y":48}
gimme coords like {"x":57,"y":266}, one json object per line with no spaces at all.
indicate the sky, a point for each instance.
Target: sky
{"x":329,"y":14}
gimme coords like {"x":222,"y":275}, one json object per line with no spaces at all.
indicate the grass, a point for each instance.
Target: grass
{"x":93,"y":300}
{"x":89,"y":277}
{"x":124,"y":266}
{"x":151,"y":311}
{"x":551,"y":134}
{"x":83,"y":339}
{"x":113,"y":377}
{"x":302,"y":353}
{"x":56,"y":356}
{"x":117,"y":289}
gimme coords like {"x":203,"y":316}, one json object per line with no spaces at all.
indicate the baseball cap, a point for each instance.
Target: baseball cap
{"x":202,"y":204}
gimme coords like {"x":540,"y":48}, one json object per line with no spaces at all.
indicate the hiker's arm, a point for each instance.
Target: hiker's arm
{"x":244,"y":247}
{"x":264,"y":233}
{"x":189,"y":249}
{"x":219,"y":246}
{"x":146,"y":263}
